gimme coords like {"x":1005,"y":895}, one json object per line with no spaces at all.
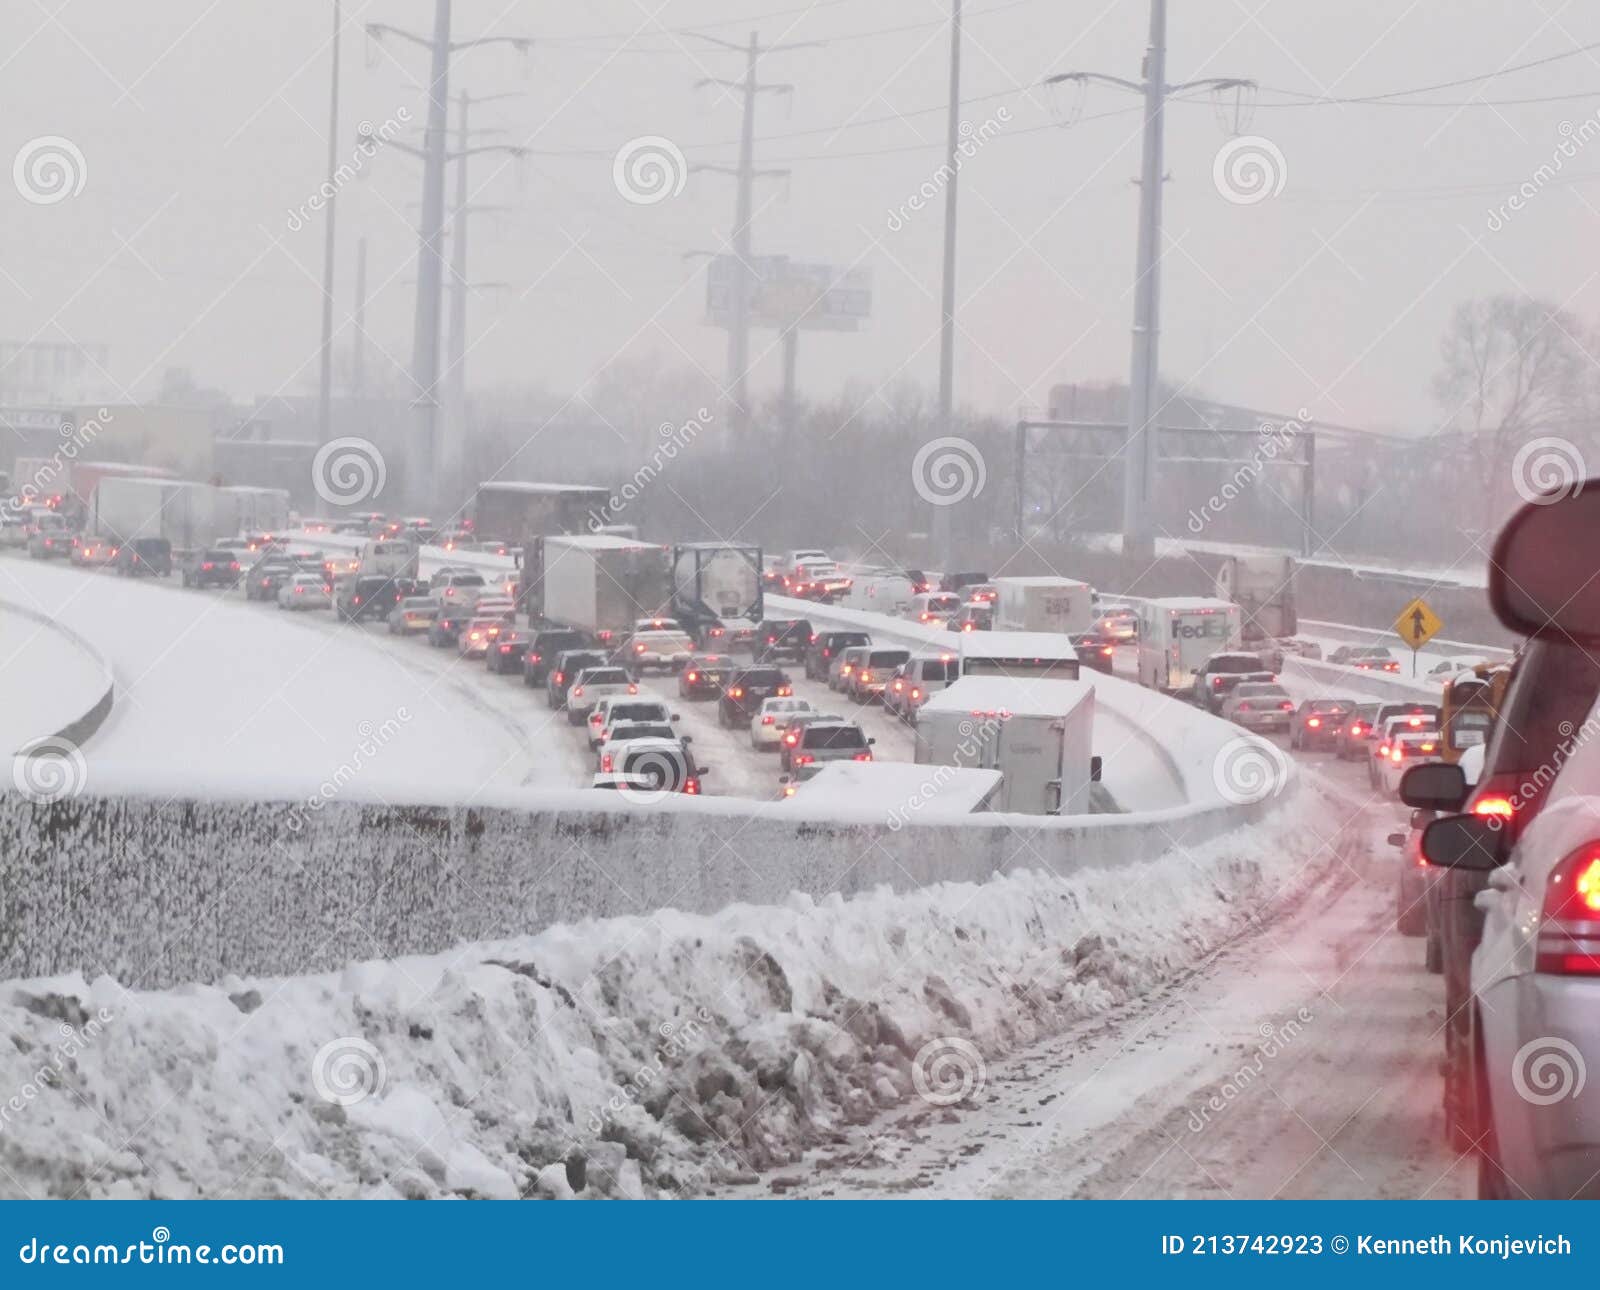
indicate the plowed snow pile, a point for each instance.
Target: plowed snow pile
{"x":636,"y":1056}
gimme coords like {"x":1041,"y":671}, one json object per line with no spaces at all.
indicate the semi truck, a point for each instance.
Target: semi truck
{"x":714,"y":582}
{"x":182,"y":511}
{"x":1044,"y":605}
{"x":598,"y":583}
{"x":1178,"y":634}
{"x":1037,"y":733}
{"x":1263,"y":586}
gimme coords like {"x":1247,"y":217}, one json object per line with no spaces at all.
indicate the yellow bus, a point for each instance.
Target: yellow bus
{"x":1469,"y":706}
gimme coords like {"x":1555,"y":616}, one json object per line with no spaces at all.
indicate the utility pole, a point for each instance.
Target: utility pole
{"x":746,"y":174}
{"x":358,"y":356}
{"x":943,"y":544}
{"x":422,"y":459}
{"x":1139,"y":449}
{"x":325,"y":374}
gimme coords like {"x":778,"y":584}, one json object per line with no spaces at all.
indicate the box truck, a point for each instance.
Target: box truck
{"x":1044,"y":605}
{"x":1263,"y":586}
{"x":181,"y":511}
{"x":599,"y":583}
{"x":1037,"y":733}
{"x":1025,"y":655}
{"x":1178,"y":634}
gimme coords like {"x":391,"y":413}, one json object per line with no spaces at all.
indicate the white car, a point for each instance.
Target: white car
{"x":622,"y":733}
{"x":413,"y":614}
{"x":457,"y":590}
{"x":305,"y":591}
{"x":656,"y":625}
{"x":496,"y":607}
{"x":661,"y":651}
{"x":1406,"y":751}
{"x":772,"y":719}
{"x":477,"y":635}
{"x":628,"y":707}
{"x":593,"y":684}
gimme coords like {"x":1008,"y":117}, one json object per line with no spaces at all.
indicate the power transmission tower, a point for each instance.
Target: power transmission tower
{"x":422,"y":457}
{"x":1139,"y":452}
{"x":746,"y":173}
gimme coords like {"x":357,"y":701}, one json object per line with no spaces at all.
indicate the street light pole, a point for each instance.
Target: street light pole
{"x":943,"y":542}
{"x":325,"y":373}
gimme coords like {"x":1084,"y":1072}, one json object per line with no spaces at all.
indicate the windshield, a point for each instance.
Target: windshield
{"x":834,"y":737}
{"x":1231,"y":663}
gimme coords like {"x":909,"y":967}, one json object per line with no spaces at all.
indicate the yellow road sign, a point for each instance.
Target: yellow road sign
{"x":1417,"y":624}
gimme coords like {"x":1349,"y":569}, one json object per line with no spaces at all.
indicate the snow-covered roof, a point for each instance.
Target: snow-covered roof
{"x":937,"y":790}
{"x":1042,"y":580}
{"x":599,"y":542}
{"x":1183,"y":603}
{"x":536,"y":490}
{"x":1018,"y":695}
{"x":1004,"y":645}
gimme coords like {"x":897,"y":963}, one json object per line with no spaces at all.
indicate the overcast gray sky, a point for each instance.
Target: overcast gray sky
{"x":202,"y":126}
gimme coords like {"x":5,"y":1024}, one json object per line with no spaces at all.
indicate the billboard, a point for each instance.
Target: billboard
{"x":783,"y":292}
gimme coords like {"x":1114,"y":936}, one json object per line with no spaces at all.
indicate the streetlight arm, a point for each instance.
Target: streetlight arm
{"x":1136,"y":87}
{"x":519,"y":43}
{"x":378,"y":30}
{"x":1214,"y":83}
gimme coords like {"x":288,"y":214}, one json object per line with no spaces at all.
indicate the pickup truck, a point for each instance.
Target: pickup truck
{"x":1215,"y":680}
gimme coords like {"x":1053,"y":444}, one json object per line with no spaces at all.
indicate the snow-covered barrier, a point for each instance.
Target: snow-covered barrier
{"x":1337,"y":680}
{"x":68,"y":699}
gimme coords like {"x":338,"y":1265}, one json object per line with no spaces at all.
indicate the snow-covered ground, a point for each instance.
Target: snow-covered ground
{"x":47,"y":679}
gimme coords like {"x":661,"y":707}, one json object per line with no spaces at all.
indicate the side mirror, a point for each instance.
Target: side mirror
{"x":1397,"y":839}
{"x":783,"y":779}
{"x":1420,"y":818}
{"x":1095,"y":765}
{"x":872,"y":741}
{"x":1473,"y":842}
{"x":678,"y":716}
{"x":1540,"y":583}
{"x":685,"y":739}
{"x":1438,"y":786}
{"x":704,"y":771}
{"x":1052,"y":797}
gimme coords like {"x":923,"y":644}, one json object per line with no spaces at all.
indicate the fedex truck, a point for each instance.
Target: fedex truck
{"x":1178,"y":634}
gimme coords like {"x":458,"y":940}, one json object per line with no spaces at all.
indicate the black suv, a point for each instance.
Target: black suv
{"x":145,"y":558}
{"x":545,"y":646}
{"x":742,"y":694}
{"x":211,"y":568}
{"x":264,"y":579}
{"x":568,"y":664}
{"x":782,"y":638}
{"x":370,"y":597}
{"x":825,"y":647}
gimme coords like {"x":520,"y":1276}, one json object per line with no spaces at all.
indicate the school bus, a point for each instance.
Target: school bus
{"x":1469,"y":706}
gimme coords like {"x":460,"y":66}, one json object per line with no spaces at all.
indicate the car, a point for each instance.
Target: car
{"x":741,"y":696}
{"x":1259,"y":705}
{"x":505,"y":655}
{"x":974,"y":616}
{"x":619,"y":734}
{"x":305,"y":591}
{"x":1317,"y":723}
{"x":798,"y":722}
{"x":934,"y":607}
{"x":778,"y":639}
{"x":545,"y":646}
{"x":1097,"y":650}
{"x":656,"y":651}
{"x":1414,"y":878}
{"x":820,"y":580}
{"x":593,"y":684}
{"x":657,"y":623}
{"x":771,"y":720}
{"x":845,"y":662}
{"x":91,"y":552}
{"x":1458,"y":663}
{"x":502,"y":607}
{"x":458,"y":589}
{"x":918,"y":679}
{"x":866,"y":681}
{"x":1365,"y":658}
{"x":144,"y":558}
{"x":1357,"y":731}
{"x":1215,"y":679}
{"x":652,"y":767}
{"x":49,"y":535}
{"x":211,"y":567}
{"x":703,"y":674}
{"x":626,"y":708}
{"x":820,"y":742}
{"x":728,"y":634}
{"x":1119,"y":622}
{"x":359,"y":597}
{"x":266,"y":576}
{"x":1405,"y":751}
{"x":444,"y":628}
{"x":558,"y":679}
{"x":478,"y":635}
{"x":1389,"y":730}
{"x":413,"y":614}
{"x":825,"y":646}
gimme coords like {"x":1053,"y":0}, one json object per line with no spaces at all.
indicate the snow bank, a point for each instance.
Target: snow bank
{"x":626,"y":1056}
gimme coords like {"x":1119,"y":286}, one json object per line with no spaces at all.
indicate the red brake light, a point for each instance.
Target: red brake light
{"x":560,"y":676}
{"x":1244,"y":706}
{"x":1498,"y":805}
{"x":1216,"y":680}
{"x":577,"y":692}
{"x":737,"y":692}
{"x":692,"y":787}
{"x":207,"y":565}
{"x":812,"y":640}
{"x":691,"y":677}
{"x":1357,"y":728}
{"x":791,"y":740}
{"x":804,"y":759}
{"x":916,"y":693}
{"x":633,"y":689}
{"x":1314,"y":722}
{"x":605,"y":763}
{"x":1397,"y":752}
{"x":1568,"y":944}
{"x":767,"y":720}
{"x":784,"y":691}
{"x":1287,"y":706}
{"x":604,"y":636}
{"x":772,"y":640}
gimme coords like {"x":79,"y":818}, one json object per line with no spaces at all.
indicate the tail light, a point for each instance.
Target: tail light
{"x":716,"y":631}
{"x":638,"y":649}
{"x":1569,"y":934}
{"x":1314,"y":722}
{"x":691,"y":787}
{"x":1216,"y":682}
{"x":1286,"y":706}
{"x":560,"y":676}
{"x":866,"y":677}
{"x":791,"y":740}
{"x":784,"y":691}
{"x":1357,"y":729}
{"x":737,"y":692}
{"x":899,"y":686}
{"x":603,"y":636}
{"x":845,"y":670}
{"x":767,"y":720}
{"x":812,"y":639}
{"x":1397,"y":753}
{"x":206,"y":566}
{"x":1106,"y":650}
{"x":327,"y":589}
{"x":691,"y":677}
{"x":916,"y":693}
{"x":594,"y":718}
{"x":633,"y":689}
{"x":1383,"y":750}
{"x":605,"y":763}
{"x":788,"y":790}
{"x":299,"y":591}
{"x":1495,"y":804}
{"x":804,"y":759}
{"x":577,"y":692}
{"x":863,"y":756}
{"x":1414,"y":722}
{"x":234,"y":567}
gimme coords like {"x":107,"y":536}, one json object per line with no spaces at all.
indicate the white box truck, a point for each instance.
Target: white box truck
{"x":1044,"y":655}
{"x":602,"y":584}
{"x":180,"y":510}
{"x":1044,"y":605}
{"x":1037,"y":733}
{"x":1178,"y":634}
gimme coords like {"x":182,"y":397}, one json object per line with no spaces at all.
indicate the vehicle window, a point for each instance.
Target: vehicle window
{"x":881,"y":658}
{"x":624,"y":730}
{"x":605,"y":676}
{"x":833,"y":737}
{"x":1233,"y":663}
{"x":1554,"y":684}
